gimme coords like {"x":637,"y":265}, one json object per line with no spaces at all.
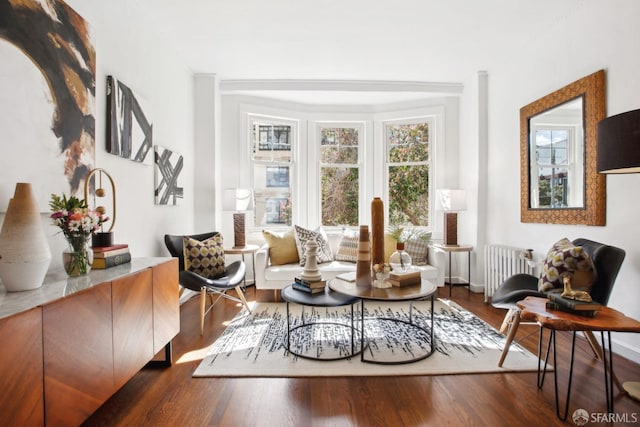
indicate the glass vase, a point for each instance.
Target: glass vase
{"x":78,"y":257}
{"x":400,"y":260}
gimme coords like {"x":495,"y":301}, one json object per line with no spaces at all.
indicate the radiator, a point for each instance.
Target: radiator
{"x":500,"y":263}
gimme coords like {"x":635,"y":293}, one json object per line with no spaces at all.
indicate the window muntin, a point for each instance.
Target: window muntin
{"x":339,"y":174}
{"x":408,"y":168}
{"x":272,"y":157}
{"x":556,"y":158}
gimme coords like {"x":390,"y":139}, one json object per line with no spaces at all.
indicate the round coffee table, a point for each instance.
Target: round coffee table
{"x":327,"y":298}
{"x":421,"y":291}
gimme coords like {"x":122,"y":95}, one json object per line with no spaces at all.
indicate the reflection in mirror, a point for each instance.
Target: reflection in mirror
{"x":557,"y":168}
{"x":559,"y":183}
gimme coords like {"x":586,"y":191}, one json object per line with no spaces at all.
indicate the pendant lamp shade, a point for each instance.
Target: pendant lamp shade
{"x":619,"y":143}
{"x":23,"y":244}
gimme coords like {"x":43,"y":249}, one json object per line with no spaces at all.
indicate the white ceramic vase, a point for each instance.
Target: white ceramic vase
{"x":24,"y":247}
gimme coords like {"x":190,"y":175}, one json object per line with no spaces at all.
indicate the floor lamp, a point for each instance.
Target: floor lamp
{"x":619,"y":152}
{"x":238,"y":200}
{"x":451,"y":202}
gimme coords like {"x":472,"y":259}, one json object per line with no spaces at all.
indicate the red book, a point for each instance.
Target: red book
{"x":109,"y":248}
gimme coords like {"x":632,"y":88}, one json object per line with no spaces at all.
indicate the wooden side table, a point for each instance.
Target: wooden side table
{"x":450,"y":250}
{"x":248,"y":249}
{"x":606,"y":321}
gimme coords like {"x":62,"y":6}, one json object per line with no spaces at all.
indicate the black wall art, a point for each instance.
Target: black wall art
{"x":47,"y":98}
{"x":129,"y":130}
{"x":168,"y":166}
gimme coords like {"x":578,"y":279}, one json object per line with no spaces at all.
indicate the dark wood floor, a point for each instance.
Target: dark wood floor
{"x":171,"y":397}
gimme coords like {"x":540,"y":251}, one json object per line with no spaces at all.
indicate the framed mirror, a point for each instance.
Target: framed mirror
{"x":559,"y":183}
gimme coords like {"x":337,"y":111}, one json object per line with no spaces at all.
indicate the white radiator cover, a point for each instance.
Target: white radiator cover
{"x":500,"y":263}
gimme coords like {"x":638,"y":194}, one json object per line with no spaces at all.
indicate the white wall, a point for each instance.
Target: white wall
{"x":168,"y":89}
{"x":597,"y":36}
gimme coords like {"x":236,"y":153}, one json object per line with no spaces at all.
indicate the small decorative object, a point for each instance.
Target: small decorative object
{"x":377,"y":231}
{"x":238,"y":200}
{"x":400,"y":260}
{"x":363,"y":265}
{"x":102,"y":238}
{"x":310,"y":273}
{"x":25,"y":251}
{"x":451,"y":201}
{"x":571,"y":294}
{"x":382,"y":275}
{"x":77,"y":223}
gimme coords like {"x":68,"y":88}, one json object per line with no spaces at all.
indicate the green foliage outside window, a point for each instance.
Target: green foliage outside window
{"x":409,"y":174}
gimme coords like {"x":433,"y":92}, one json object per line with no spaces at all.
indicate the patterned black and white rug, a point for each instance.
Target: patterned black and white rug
{"x":254,"y":345}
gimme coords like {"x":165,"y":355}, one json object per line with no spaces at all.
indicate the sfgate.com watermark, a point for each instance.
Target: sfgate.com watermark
{"x":582,"y":417}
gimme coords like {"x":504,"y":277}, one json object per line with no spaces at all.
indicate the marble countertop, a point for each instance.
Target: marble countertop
{"x":58,"y":285}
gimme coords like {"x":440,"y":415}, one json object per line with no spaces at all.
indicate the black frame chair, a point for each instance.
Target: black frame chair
{"x":231,"y":278}
{"x":607,"y":260}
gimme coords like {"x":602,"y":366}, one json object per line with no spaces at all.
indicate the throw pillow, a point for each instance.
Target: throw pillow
{"x":204,"y":258}
{"x":390,"y":245}
{"x":566,"y":259}
{"x":348,"y":249}
{"x":418,"y":250}
{"x":303,"y":236}
{"x":282,"y":247}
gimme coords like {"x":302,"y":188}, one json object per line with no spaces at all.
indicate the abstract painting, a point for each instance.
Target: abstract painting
{"x":47,"y":99}
{"x":168,"y":166}
{"x":129,"y":130}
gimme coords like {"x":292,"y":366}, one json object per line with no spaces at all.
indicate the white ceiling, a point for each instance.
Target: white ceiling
{"x":399,"y":40}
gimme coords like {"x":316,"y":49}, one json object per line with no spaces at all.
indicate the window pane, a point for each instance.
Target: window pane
{"x":272,"y":189}
{"x":551,"y":147}
{"x":552,"y":188}
{"x":408,"y":143}
{"x":339,"y":145}
{"x":271,"y":142}
{"x":339,"y":196}
{"x":409,"y":195}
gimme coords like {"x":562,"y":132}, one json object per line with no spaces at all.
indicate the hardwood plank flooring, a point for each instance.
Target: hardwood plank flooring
{"x":171,"y":397}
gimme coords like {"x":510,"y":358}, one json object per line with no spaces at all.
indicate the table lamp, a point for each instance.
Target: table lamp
{"x":619,"y":152}
{"x":451,"y":202}
{"x":238,"y":200}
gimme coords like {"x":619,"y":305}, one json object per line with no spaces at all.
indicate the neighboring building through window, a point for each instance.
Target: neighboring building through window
{"x":272,"y":158}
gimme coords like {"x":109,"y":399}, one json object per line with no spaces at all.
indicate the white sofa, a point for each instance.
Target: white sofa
{"x":276,"y":277}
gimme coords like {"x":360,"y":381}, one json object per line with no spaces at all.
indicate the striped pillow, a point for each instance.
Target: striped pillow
{"x":348,"y":249}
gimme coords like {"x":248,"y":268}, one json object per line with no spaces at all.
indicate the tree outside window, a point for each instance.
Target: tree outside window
{"x":339,"y":175}
{"x":408,"y":168}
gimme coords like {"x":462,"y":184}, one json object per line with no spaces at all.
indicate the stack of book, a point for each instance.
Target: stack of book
{"x":581,"y":308}
{"x":404,"y":278}
{"x":309,"y":287}
{"x":110,"y":256}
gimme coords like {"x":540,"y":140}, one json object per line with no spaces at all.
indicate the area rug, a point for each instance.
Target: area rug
{"x":254,"y":345}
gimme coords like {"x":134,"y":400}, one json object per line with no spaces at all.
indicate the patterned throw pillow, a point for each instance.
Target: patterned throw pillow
{"x":205,"y":258}
{"x":282,"y":247}
{"x":418,"y":250}
{"x":303,"y":236}
{"x":566,"y":259}
{"x":348,"y":249}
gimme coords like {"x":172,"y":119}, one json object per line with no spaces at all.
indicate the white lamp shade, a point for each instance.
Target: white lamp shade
{"x":452,"y":200}
{"x":237,"y":199}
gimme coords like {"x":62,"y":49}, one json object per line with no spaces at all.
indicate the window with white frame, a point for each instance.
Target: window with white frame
{"x":272,"y":142}
{"x":408,"y":171}
{"x":340,"y":173}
